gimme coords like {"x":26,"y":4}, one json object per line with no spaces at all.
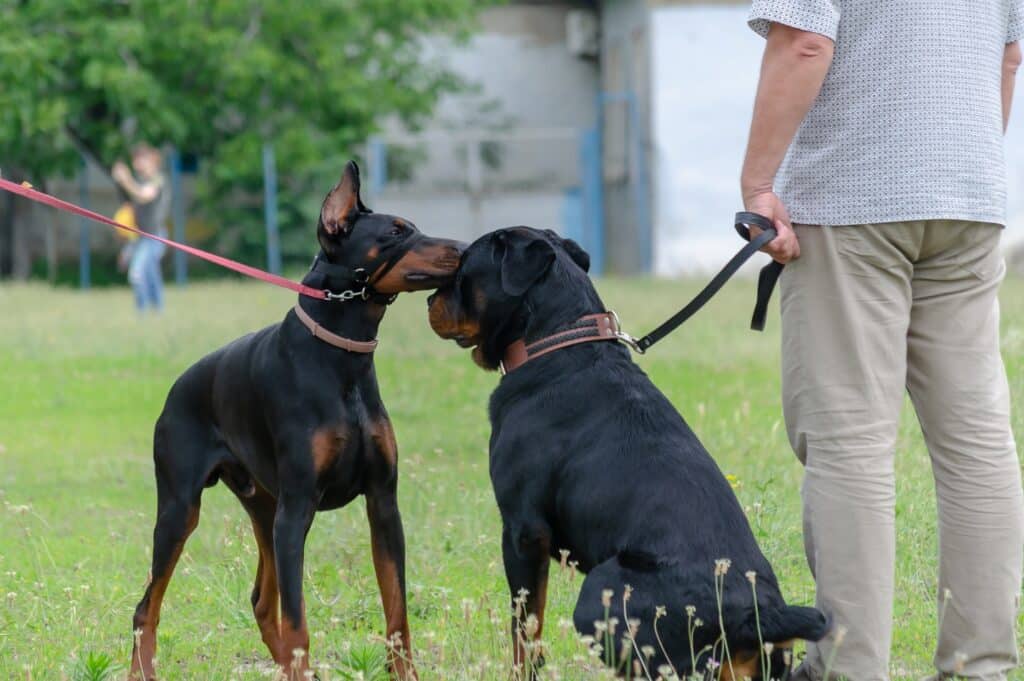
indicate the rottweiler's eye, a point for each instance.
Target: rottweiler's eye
{"x":396,"y":231}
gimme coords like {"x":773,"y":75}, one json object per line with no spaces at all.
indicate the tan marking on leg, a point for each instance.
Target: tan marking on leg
{"x":536,"y":601}
{"x":295,"y":644}
{"x":147,"y":621}
{"x":744,"y":665}
{"x":267,"y":607}
{"x":399,"y":652}
{"x":383,"y":437}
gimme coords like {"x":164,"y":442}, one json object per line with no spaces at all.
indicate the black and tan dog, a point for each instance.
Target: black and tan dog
{"x":587,"y":456}
{"x":290,"y":419}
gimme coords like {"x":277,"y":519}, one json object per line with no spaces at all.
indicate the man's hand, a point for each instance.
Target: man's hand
{"x":785,"y":246}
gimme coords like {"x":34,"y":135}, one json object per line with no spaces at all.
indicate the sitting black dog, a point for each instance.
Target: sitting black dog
{"x":587,"y":456}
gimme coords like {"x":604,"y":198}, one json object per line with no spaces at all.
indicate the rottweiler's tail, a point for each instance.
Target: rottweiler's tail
{"x":783,"y":624}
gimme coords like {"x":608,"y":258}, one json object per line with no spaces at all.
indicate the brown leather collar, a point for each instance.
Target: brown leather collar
{"x":603,"y":326}
{"x":364,"y":347}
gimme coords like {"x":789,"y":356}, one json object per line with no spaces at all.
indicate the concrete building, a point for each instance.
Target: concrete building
{"x":563,"y":131}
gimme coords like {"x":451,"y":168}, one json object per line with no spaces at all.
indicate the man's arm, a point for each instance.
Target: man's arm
{"x":793,"y":70}
{"x":1011,"y":62}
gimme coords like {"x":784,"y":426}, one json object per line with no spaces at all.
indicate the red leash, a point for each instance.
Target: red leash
{"x":28,"y":192}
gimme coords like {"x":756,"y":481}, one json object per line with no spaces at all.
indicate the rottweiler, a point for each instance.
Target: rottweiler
{"x":291,"y":420}
{"x":591,"y":463}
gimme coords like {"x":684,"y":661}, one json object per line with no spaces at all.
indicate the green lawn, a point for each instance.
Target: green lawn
{"x":82,"y":380}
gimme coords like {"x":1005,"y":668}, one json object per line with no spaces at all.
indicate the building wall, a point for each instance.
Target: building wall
{"x":520,"y":61}
{"x":530,"y":100}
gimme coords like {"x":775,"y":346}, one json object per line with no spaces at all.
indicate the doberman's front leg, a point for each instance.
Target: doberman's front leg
{"x":526,"y":555}
{"x":388,"y":544}
{"x":291,"y":524}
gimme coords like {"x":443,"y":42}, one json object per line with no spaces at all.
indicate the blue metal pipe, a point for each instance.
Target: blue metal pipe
{"x":270,"y":209}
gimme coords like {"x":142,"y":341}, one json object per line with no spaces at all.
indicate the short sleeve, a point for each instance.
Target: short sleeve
{"x":815,"y":16}
{"x":1015,"y":26}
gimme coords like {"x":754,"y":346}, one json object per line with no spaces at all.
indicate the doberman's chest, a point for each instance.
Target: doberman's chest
{"x":339,"y":453}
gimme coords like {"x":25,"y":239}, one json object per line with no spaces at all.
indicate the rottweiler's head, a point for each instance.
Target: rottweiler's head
{"x":400,"y":256}
{"x":506,"y":280}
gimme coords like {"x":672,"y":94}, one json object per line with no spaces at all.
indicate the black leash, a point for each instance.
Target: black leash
{"x":765,"y":283}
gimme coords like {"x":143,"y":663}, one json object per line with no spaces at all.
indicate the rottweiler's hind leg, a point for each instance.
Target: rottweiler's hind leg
{"x":603,"y":611}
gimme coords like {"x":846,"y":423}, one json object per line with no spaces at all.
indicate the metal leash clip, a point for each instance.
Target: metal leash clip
{"x":345,"y":296}
{"x":623,"y":337}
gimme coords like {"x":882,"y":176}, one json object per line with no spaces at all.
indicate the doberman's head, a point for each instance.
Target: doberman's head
{"x":511,"y":283}
{"x":395,"y":256}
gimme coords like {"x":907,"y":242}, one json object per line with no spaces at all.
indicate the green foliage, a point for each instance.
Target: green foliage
{"x":218,"y":79}
{"x":95,"y":667}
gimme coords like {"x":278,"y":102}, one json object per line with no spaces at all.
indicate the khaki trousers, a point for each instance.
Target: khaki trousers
{"x":867,"y":312}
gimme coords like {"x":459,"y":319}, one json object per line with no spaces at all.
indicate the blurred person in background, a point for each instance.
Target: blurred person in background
{"x":876,"y":148}
{"x":150,"y":197}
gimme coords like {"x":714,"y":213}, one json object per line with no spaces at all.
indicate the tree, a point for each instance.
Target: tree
{"x":218,"y":78}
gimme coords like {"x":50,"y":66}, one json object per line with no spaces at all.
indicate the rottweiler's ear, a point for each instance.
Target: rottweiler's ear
{"x":523,"y":262}
{"x":578,"y":255}
{"x":575,"y":251}
{"x":342,"y":204}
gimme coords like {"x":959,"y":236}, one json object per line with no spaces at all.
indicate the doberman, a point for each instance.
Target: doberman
{"x":591,"y":463}
{"x":291,"y":420}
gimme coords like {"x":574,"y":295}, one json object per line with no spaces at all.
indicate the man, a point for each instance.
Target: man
{"x":889,"y":208}
{"x":151,"y":203}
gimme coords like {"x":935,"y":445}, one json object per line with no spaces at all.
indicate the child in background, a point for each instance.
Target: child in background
{"x":150,"y":198}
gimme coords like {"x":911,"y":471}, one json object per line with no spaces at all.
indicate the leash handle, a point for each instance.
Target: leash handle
{"x":769,"y":274}
{"x":742,"y":223}
{"x":745,"y":220}
{"x":28,"y":192}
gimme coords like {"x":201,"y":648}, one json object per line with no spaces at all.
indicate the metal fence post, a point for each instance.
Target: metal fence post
{"x":378,"y":158}
{"x":178,"y":217}
{"x":84,"y":253}
{"x":641,"y":186}
{"x":593,"y":198}
{"x":270,"y":209}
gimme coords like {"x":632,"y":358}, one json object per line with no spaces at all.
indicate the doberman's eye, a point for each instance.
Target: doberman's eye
{"x":396,"y":231}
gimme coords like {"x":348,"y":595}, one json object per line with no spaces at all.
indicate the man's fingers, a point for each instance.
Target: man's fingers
{"x":783,"y":248}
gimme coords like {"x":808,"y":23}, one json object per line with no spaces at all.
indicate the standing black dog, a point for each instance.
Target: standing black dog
{"x":587,"y":456}
{"x":290,"y":419}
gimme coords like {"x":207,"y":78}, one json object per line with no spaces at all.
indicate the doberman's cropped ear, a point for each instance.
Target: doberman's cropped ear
{"x":524,"y":261}
{"x":575,"y":251}
{"x":342,"y":205}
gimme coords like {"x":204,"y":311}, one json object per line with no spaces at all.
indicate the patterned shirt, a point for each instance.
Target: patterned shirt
{"x":908,"y":125}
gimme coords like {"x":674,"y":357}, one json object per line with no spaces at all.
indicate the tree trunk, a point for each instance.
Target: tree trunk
{"x":21,"y":266}
{"x":9,"y":207}
{"x":6,"y":235}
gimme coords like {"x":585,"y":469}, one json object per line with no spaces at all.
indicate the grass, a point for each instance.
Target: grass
{"x":82,"y":380}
